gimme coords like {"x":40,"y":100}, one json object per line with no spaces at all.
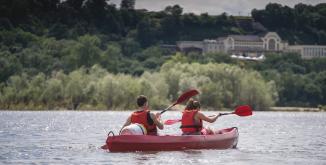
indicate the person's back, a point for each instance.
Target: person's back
{"x":144,"y":117}
{"x":192,"y":120}
{"x":189,"y":125}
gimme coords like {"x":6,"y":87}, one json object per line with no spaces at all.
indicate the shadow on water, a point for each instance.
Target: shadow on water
{"x":192,"y":152}
{"x":141,"y":157}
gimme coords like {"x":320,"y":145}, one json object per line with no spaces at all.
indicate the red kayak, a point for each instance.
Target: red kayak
{"x":221,"y":139}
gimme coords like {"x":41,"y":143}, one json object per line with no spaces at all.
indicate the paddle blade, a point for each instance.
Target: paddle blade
{"x":185,"y":96}
{"x":171,"y":121}
{"x":243,"y":110}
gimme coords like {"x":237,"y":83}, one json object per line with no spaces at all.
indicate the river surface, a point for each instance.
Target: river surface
{"x":65,"y":137}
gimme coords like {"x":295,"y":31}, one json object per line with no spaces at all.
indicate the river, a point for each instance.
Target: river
{"x":67,"y":137}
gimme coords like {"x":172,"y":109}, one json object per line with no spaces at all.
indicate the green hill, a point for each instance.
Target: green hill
{"x":45,"y":37}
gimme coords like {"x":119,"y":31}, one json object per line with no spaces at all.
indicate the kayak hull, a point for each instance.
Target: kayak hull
{"x":221,"y":139}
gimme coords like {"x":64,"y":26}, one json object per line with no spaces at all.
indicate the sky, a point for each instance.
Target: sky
{"x":215,"y":7}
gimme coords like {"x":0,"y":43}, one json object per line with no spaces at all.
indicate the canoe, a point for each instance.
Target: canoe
{"x":221,"y":139}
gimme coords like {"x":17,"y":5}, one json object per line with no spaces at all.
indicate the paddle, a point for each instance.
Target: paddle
{"x":243,"y":110}
{"x":185,"y":96}
{"x":171,"y":121}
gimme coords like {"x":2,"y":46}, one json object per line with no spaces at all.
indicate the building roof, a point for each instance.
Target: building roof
{"x":220,"y":39}
{"x":252,"y":38}
{"x":248,"y":49}
{"x":209,"y":41}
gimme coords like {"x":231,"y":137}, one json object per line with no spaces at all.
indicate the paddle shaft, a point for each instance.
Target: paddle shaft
{"x":240,"y":111}
{"x":168,"y":108}
{"x":221,"y":114}
{"x":185,"y":96}
{"x":173,"y":121}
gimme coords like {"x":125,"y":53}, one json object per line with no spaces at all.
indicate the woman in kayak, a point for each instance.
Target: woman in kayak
{"x":192,"y":120}
{"x":143,"y":116}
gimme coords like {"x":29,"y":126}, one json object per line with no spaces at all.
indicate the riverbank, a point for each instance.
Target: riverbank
{"x":297,"y":109}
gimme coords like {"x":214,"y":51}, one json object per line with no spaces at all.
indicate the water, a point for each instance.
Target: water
{"x":64,"y":137}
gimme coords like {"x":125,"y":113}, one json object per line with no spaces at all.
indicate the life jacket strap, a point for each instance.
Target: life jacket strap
{"x":190,"y":126}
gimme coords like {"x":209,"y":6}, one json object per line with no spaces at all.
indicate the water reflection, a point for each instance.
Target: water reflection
{"x":141,"y":157}
{"x":193,"y":156}
{"x":193,"y":152}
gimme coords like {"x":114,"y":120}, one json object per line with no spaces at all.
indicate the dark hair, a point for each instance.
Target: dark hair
{"x":192,"y":104}
{"x":196,"y":104}
{"x":141,"y":100}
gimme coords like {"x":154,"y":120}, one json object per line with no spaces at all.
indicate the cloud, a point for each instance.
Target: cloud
{"x":213,"y":7}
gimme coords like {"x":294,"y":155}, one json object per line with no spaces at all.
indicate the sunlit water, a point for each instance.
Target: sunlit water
{"x":64,"y":137}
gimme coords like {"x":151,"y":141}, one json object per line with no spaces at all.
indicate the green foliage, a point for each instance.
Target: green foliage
{"x":221,"y":85}
{"x":53,"y":92}
{"x":74,"y":90}
{"x":303,"y":24}
{"x":9,"y":65}
{"x":127,"y":4}
{"x":175,"y":10}
{"x":73,"y":53}
{"x":298,"y":81}
{"x":111,"y":57}
{"x":148,"y":32}
{"x":87,"y":51}
{"x":129,"y":47}
{"x":227,"y":85}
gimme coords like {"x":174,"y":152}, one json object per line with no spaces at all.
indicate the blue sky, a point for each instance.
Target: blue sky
{"x":213,"y":7}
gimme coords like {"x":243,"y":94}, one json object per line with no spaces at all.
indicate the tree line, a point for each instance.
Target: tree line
{"x":220,"y":85}
{"x":302,"y":24}
{"x":298,"y":82}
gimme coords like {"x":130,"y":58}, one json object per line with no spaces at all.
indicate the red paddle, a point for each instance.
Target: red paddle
{"x":243,"y":110}
{"x":185,"y":96}
{"x":171,"y":121}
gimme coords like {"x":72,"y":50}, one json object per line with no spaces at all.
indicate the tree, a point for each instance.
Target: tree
{"x":87,"y":51}
{"x":147,"y":32}
{"x":129,"y":46}
{"x":53,"y":92}
{"x":76,"y":4}
{"x":175,"y":10}
{"x":96,"y":8}
{"x":110,"y":59}
{"x":74,"y":91}
{"x":9,"y":65}
{"x":127,"y":4}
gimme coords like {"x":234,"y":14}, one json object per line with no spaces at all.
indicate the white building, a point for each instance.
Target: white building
{"x":186,"y":46}
{"x":251,"y":45}
{"x":308,"y":51}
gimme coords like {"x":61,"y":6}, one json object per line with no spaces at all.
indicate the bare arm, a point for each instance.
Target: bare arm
{"x":201,"y":116}
{"x":157,"y":120}
{"x":128,"y":122}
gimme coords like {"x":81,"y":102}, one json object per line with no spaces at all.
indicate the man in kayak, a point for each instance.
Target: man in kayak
{"x":192,"y":120}
{"x":143,"y":116}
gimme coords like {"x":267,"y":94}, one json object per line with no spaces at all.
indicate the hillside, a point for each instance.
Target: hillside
{"x":42,"y":37}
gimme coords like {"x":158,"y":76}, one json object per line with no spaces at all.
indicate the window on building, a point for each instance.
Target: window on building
{"x":271,"y":44}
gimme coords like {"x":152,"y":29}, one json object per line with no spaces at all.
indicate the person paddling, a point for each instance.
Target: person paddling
{"x":192,"y":120}
{"x":143,"y":116}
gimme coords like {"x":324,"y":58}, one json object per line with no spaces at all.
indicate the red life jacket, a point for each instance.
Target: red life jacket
{"x":144,"y":118}
{"x":188,"y":124}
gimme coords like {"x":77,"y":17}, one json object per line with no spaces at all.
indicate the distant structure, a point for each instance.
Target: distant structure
{"x":251,"y":46}
{"x":308,"y":51}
